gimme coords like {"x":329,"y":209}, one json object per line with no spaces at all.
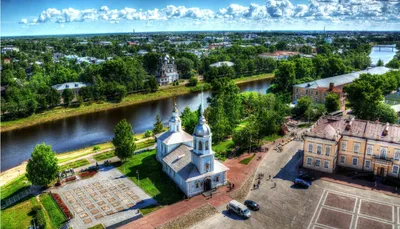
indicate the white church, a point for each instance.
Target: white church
{"x":189,"y":160}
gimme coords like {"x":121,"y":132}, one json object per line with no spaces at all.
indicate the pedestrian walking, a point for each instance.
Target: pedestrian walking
{"x":211,"y":194}
{"x":254,"y":186}
{"x":259,"y":181}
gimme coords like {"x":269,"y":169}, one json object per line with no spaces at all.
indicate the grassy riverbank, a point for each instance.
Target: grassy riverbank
{"x":61,"y":112}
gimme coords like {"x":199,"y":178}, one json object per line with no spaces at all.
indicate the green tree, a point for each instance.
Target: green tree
{"x":385,"y":113}
{"x":193,"y":81}
{"x":380,"y":63}
{"x":158,"y":126}
{"x":42,"y":168}
{"x":184,"y":66}
{"x":150,"y":62}
{"x":189,"y":119}
{"x":151,"y":84}
{"x":68,"y":96}
{"x":123,"y":140}
{"x":332,"y":102}
{"x":303,"y":105}
{"x":284,"y":77}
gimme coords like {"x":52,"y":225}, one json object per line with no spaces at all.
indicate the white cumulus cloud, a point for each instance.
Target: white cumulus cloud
{"x":346,"y":12}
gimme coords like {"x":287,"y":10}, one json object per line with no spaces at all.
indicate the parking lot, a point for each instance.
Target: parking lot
{"x":324,"y":205}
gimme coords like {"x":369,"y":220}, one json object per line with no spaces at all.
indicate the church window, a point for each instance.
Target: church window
{"x":206,"y":145}
{"x":197,"y":184}
{"x":217,"y":179}
{"x":207,"y":166}
{"x":200,"y":145}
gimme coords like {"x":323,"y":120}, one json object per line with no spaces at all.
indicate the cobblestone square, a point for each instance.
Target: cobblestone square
{"x":341,"y":210}
{"x":107,"y":198}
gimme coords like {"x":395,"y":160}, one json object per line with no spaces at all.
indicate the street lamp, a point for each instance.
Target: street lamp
{"x":137,"y":172}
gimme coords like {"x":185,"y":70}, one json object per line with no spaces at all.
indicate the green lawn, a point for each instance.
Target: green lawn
{"x":57,"y":218}
{"x":104,"y":156}
{"x":98,"y":226}
{"x":74,"y":164}
{"x":18,"y":216}
{"x":151,"y":177}
{"x":223,"y":148}
{"x":147,"y":143}
{"x":247,"y":160}
{"x":150,"y":209}
{"x":271,"y":138}
{"x":19,"y":184}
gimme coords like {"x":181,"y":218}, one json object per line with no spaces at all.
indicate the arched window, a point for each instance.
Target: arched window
{"x":310,"y":147}
{"x":206,"y":145}
{"x":200,"y":145}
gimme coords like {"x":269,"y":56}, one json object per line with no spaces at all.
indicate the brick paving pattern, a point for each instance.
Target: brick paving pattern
{"x":95,"y":200}
{"x":341,"y":210}
{"x":107,"y":198}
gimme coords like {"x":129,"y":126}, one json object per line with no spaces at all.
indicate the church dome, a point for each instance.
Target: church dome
{"x":202,"y":129}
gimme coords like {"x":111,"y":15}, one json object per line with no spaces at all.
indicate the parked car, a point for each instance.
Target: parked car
{"x":306,"y":176}
{"x":302,"y":183}
{"x":238,"y":208}
{"x":252,"y":205}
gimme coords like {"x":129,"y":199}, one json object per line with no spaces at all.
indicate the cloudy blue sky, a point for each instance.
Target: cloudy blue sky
{"x":41,"y":17}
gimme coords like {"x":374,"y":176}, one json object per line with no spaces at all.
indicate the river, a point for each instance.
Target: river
{"x":90,"y":129}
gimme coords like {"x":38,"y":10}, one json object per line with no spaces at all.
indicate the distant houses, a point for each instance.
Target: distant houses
{"x":222,"y":63}
{"x":74,"y":86}
{"x":279,"y":55}
{"x":318,"y":89}
{"x":9,"y":49}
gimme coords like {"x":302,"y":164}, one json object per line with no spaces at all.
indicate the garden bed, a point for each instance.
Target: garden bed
{"x":62,"y":205}
{"x":87,"y":174}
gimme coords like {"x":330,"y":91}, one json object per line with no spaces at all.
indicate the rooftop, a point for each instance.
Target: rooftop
{"x":373,"y":130}
{"x":342,"y":79}
{"x":170,"y":138}
{"x":222,"y":63}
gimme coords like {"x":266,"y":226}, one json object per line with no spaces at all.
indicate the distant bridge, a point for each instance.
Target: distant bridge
{"x":385,"y":46}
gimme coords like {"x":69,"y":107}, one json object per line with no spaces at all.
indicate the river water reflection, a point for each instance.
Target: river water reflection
{"x":89,"y":129}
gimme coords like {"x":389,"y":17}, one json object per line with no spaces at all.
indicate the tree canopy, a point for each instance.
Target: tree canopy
{"x":124,"y":140}
{"x":42,"y":168}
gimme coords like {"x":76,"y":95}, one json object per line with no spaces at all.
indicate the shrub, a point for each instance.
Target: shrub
{"x":39,"y":216}
{"x":148,"y":133}
{"x":193,"y":81}
{"x":96,"y":148}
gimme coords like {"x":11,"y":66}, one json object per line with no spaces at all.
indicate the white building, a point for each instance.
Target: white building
{"x":9,"y":49}
{"x":167,"y":71}
{"x":189,"y":160}
{"x":222,"y":63}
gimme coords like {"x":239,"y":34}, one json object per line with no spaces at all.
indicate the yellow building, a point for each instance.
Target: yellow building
{"x":357,"y":144}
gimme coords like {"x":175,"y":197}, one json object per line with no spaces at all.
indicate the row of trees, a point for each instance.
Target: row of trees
{"x":366,"y":95}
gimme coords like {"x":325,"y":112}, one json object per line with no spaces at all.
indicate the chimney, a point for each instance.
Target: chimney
{"x":331,"y":86}
{"x":348,"y":126}
{"x":386,"y":130}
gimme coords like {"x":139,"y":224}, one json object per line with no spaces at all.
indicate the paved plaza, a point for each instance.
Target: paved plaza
{"x":325,"y":205}
{"x":108,"y":198}
{"x":344,"y":211}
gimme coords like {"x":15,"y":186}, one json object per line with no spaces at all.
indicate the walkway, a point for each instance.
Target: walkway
{"x":237,"y":174}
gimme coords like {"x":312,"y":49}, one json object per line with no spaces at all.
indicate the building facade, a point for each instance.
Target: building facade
{"x":189,"y":159}
{"x":318,"y":89}
{"x":167,"y":71}
{"x":357,"y":144}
